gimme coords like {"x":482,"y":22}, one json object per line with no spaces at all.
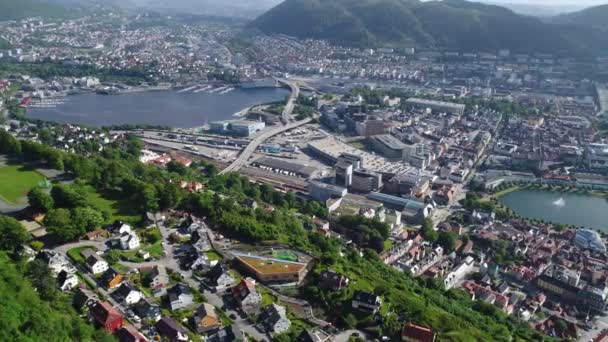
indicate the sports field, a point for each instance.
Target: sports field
{"x":285,"y":255}
{"x":16,"y":181}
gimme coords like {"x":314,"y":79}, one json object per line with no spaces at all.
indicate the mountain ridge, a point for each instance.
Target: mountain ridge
{"x":450,"y":24}
{"x":593,"y":17}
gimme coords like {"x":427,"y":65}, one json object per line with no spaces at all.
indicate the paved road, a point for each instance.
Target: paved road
{"x":98,"y":244}
{"x":291,"y":102}
{"x":286,"y":117}
{"x":253,"y":145}
{"x":215,"y":299}
{"x":600,"y":324}
{"x":345,"y":335}
{"x":6,"y":208}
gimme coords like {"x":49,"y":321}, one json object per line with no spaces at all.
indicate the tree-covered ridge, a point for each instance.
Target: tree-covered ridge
{"x":595,"y":17}
{"x":24,"y":316}
{"x":451,"y":24}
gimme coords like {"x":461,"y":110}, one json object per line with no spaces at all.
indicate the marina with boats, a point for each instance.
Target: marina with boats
{"x":211,"y":89}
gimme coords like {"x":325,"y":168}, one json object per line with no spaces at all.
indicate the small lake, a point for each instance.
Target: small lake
{"x":565,"y":208}
{"x":170,"y":108}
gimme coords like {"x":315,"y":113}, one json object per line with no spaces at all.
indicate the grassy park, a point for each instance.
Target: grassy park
{"x":118,"y":206}
{"x":16,"y":181}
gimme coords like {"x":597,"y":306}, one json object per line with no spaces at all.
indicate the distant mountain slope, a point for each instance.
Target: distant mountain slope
{"x":449,"y":24}
{"x":536,"y":9}
{"x":19,"y":9}
{"x":226,"y":8}
{"x":593,"y":17}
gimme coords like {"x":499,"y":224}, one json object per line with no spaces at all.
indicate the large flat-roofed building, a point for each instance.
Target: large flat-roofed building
{"x":437,"y":106}
{"x":418,"y":155}
{"x":370,"y":127}
{"x":355,"y":160}
{"x":219,"y":126}
{"x":330,"y":150}
{"x":388,"y":146}
{"x":242,"y":128}
{"x":322,"y":192}
{"x":412,"y":210}
{"x":344,"y":173}
{"x":596,"y":156}
{"x":247,"y":128}
{"x":365,"y":181}
{"x":409,"y":183}
{"x":271,"y":270}
{"x":350,"y":174}
{"x":284,"y":167}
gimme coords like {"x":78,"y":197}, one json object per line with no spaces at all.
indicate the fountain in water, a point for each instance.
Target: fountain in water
{"x":560,"y":203}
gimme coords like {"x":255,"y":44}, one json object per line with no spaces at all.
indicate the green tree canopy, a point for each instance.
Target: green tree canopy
{"x":86,"y":219}
{"x":447,"y":240}
{"x":40,"y":201}
{"x":59,"y":224}
{"x":12,"y":233}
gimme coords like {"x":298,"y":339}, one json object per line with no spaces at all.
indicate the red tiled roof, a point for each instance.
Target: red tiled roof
{"x":418,"y":333}
{"x":130,"y":334}
{"x":105,"y":312}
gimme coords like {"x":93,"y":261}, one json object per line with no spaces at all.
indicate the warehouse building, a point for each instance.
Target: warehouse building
{"x":322,"y":192}
{"x":437,"y":106}
{"x":242,"y":128}
{"x":284,"y":167}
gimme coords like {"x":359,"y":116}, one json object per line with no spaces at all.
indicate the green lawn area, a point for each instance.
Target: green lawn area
{"x":155,"y":250}
{"x":76,"y":256}
{"x":236,"y":275}
{"x":267,"y":297}
{"x":120,"y":207}
{"x":285,"y":255}
{"x":121,"y":268}
{"x":16,"y":181}
{"x":358,"y":144}
{"x":388,"y":244}
{"x":506,"y":191}
{"x":212,"y":255}
{"x":226,"y":321}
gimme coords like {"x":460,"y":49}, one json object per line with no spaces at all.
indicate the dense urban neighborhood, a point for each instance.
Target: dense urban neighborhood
{"x":393,"y":194}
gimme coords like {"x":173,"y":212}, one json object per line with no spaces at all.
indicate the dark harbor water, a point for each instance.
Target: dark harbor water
{"x":566,"y":208}
{"x":171,"y":108}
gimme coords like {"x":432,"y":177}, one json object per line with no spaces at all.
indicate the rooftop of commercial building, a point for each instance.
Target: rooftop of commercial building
{"x":389,"y":141}
{"x":415,"y":100}
{"x":334,"y":148}
{"x":264,"y":265}
{"x":303,"y":170}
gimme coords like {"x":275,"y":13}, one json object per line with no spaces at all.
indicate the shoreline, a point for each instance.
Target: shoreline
{"x":55,"y":103}
{"x":575,"y":191}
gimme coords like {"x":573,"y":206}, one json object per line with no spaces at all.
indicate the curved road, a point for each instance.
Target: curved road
{"x":241,"y":160}
{"x":285,"y":116}
{"x":98,"y":244}
{"x":291,"y":102}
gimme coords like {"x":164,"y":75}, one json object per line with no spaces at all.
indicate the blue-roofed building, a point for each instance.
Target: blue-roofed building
{"x":589,"y":239}
{"x":413,"y":211}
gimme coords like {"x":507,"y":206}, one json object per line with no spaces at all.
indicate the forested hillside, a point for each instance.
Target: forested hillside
{"x":24,"y":316}
{"x":451,"y":24}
